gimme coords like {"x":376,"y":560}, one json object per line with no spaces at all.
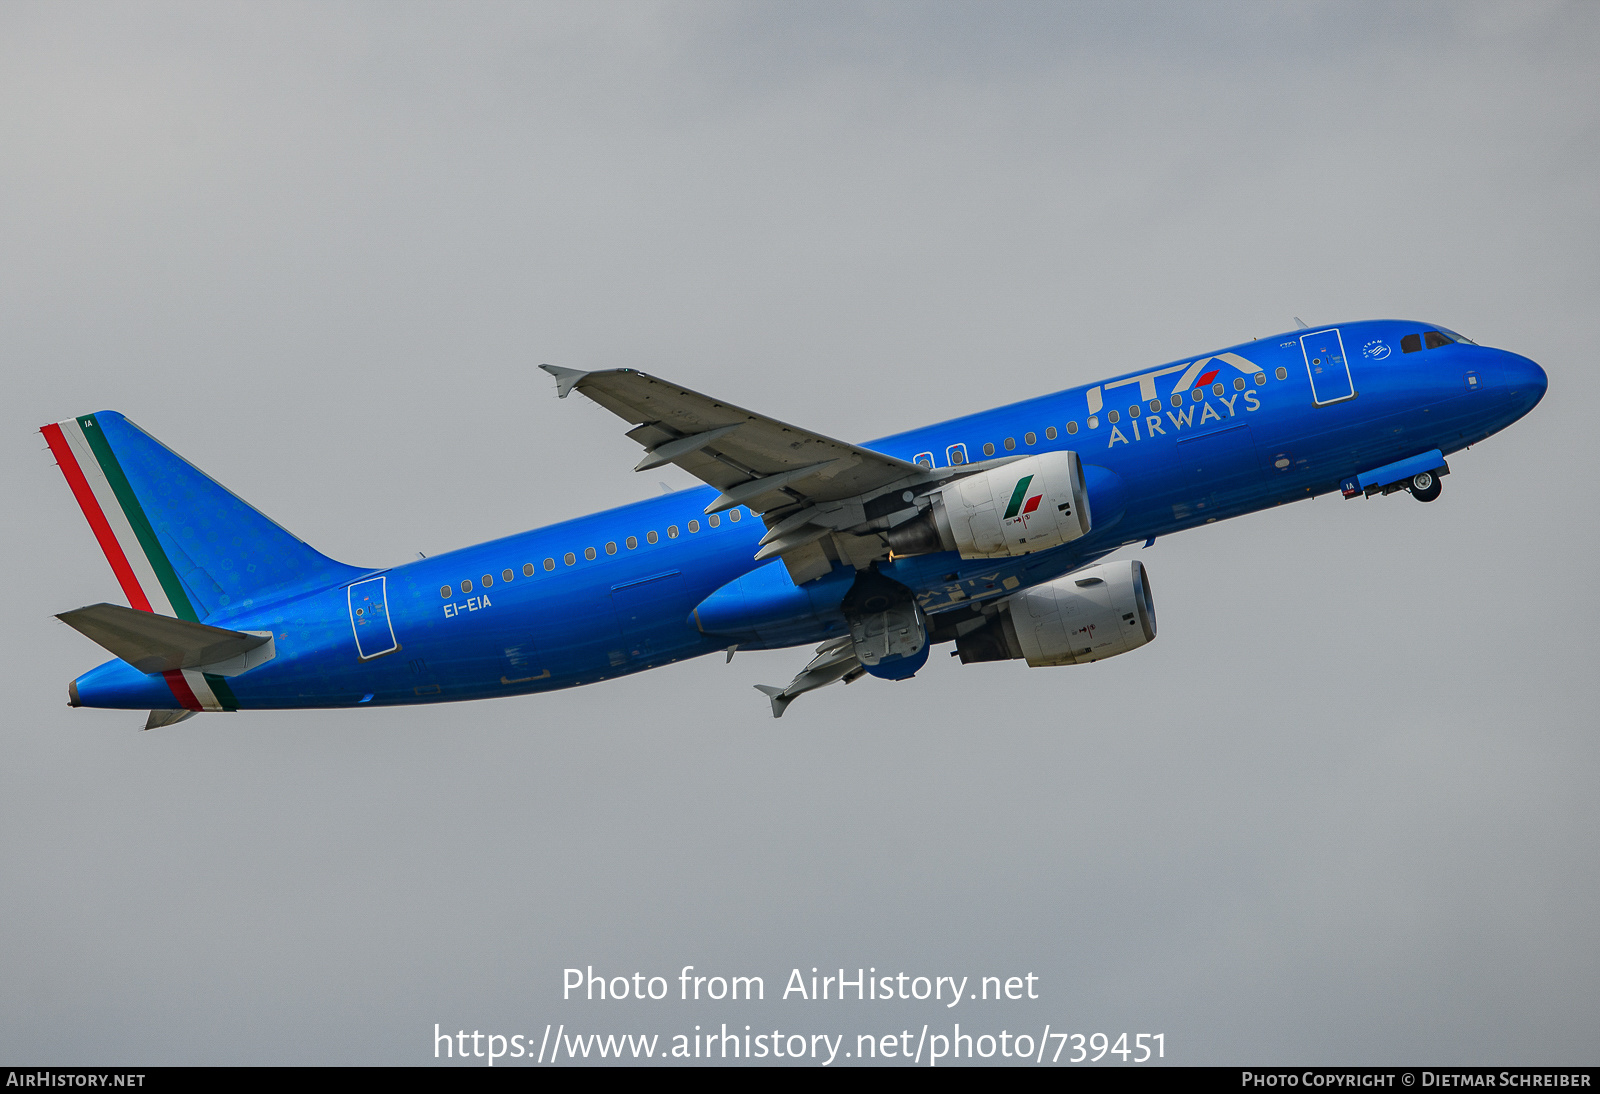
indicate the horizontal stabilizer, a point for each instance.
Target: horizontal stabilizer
{"x":159,"y":643}
{"x":161,"y":718}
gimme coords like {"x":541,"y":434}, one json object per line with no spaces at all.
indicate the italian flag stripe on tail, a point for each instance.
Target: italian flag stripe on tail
{"x":129,"y":543}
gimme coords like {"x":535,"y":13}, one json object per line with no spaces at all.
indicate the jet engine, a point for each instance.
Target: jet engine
{"x":1030,"y":505}
{"x":1090,"y":615}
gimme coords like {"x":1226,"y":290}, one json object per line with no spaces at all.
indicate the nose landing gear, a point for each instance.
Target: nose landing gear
{"x":1425,"y":486}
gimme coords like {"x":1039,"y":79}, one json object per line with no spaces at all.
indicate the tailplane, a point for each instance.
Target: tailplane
{"x":157,"y":643}
{"x":180,"y":544}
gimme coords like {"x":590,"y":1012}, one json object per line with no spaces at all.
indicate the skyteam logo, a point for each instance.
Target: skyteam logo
{"x":1375,"y":350}
{"x":1021,"y":505}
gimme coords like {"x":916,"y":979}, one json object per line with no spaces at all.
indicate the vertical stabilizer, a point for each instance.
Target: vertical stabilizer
{"x":179,"y":543}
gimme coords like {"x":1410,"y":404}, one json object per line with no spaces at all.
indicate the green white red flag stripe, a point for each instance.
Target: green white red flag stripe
{"x":129,"y":542}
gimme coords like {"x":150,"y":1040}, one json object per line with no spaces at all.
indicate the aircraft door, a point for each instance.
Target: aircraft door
{"x":369,"y":618}
{"x":1328,"y":367}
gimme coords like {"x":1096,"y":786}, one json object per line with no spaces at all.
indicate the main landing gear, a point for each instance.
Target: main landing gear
{"x":1425,"y":486}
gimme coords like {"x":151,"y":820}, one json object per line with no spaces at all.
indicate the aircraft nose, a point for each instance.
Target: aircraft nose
{"x":1525,"y":381}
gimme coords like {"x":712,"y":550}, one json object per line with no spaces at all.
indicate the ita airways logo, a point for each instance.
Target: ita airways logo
{"x":1021,"y":505}
{"x":1375,"y":350}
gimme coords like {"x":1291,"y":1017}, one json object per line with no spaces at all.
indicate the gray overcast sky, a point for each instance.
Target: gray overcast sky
{"x":1342,"y":811}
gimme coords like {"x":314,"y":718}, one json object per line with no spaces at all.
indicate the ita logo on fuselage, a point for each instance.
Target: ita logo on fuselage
{"x":1192,"y":376}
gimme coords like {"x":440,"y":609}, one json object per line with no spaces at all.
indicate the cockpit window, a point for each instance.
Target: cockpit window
{"x":1411,"y":343}
{"x":1443,"y":337}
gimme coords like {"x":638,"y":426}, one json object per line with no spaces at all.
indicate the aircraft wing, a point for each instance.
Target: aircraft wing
{"x":806,"y":486}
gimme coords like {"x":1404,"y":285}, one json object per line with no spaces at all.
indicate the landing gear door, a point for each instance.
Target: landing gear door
{"x":369,"y":618}
{"x":1330,"y":371}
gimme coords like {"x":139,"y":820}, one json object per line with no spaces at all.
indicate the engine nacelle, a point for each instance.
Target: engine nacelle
{"x":1030,"y":505}
{"x":1090,"y":615}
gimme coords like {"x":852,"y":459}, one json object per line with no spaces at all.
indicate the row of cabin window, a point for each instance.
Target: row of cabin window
{"x":571,"y":558}
{"x":957,"y":454}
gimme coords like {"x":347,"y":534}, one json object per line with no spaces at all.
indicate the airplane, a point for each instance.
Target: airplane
{"x":987,"y":531}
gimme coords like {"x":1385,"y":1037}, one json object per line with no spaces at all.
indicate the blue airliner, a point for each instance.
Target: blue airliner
{"x":986,"y":531}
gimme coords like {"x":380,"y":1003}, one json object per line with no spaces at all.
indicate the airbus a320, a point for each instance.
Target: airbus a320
{"x":989,"y":531}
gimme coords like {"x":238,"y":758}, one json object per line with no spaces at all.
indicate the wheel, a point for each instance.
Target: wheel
{"x":1426,"y":486}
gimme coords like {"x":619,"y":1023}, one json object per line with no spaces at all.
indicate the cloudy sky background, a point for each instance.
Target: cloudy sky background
{"x":1343,"y":811}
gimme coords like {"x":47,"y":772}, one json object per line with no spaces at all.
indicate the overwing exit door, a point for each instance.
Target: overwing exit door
{"x":1330,"y":371}
{"x":369,"y":618}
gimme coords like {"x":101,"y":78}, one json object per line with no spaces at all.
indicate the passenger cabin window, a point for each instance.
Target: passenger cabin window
{"x":550,"y":564}
{"x":507,"y":575}
{"x":589,"y":553}
{"x":713,"y":520}
{"x":1072,"y":427}
{"x":1011,"y":444}
{"x":650,"y":536}
{"x":488,"y":580}
{"x":569,"y":558}
{"x":527,"y":568}
{"x":1411,"y":343}
{"x":1029,"y":438}
{"x":734,"y":515}
{"x":1049,"y":432}
{"x":988,"y":448}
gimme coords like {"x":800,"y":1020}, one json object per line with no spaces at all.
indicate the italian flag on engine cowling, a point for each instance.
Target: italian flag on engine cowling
{"x":1018,"y":508}
{"x":124,"y":533}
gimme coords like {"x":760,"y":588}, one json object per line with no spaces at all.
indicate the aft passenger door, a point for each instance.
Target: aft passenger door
{"x":369,"y":618}
{"x":1328,"y":367}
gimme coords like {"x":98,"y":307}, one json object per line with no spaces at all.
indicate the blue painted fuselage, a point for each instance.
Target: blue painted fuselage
{"x":617,"y":592}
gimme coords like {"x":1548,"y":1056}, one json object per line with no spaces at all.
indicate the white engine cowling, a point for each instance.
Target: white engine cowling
{"x":1093,"y":614}
{"x":1090,"y":615}
{"x":1031,"y":505}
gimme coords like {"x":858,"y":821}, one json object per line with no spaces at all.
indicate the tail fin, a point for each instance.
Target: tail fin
{"x":180,"y":544}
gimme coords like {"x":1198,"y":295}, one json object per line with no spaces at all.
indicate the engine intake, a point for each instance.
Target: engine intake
{"x":1031,"y":505}
{"x":1090,"y":615}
